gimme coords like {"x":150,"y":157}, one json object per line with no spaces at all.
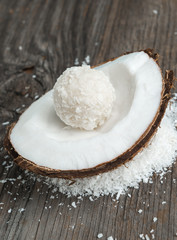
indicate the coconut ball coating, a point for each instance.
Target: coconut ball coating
{"x":83,"y":97}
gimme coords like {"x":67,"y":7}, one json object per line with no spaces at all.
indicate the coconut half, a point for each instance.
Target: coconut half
{"x":41,"y":142}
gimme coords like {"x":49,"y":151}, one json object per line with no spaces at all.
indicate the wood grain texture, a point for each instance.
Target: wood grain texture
{"x":42,"y":38}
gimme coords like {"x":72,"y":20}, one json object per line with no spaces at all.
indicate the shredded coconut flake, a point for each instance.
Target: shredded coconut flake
{"x":100,"y":235}
{"x":73,"y":204}
{"x":155,"y":12}
{"x":21,"y":210}
{"x":141,"y":236}
{"x":87,"y":59}
{"x":76,"y":61}
{"x":110,"y":238}
{"x":154,"y":219}
{"x":20,"y":48}
{"x":5,"y":123}
{"x":36,"y":97}
{"x":10,"y":210}
{"x":147,"y":237}
{"x":140,"y":210}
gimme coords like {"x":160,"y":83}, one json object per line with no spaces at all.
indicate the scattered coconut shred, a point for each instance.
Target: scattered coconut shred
{"x":160,"y":154}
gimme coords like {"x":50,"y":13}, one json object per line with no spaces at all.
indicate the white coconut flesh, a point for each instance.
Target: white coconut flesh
{"x":41,"y":137}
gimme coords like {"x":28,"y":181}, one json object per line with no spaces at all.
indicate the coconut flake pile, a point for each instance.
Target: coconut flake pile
{"x":83,"y":97}
{"x":160,"y":154}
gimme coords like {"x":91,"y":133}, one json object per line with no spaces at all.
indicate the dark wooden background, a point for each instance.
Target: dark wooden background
{"x":42,"y":38}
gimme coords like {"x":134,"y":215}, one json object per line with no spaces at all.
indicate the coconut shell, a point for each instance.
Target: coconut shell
{"x":111,"y":164}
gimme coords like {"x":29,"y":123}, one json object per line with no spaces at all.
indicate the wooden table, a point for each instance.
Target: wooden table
{"x":42,"y":38}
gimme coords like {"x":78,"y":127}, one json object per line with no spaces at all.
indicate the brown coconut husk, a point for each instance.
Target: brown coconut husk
{"x":111,"y":164}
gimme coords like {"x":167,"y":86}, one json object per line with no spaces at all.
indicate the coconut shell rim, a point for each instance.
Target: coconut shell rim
{"x":142,"y":142}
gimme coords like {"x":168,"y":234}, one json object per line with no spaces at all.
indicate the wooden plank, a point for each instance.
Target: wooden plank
{"x":42,"y":38}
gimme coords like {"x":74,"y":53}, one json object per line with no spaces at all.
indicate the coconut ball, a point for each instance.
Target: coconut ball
{"x":83,"y":97}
